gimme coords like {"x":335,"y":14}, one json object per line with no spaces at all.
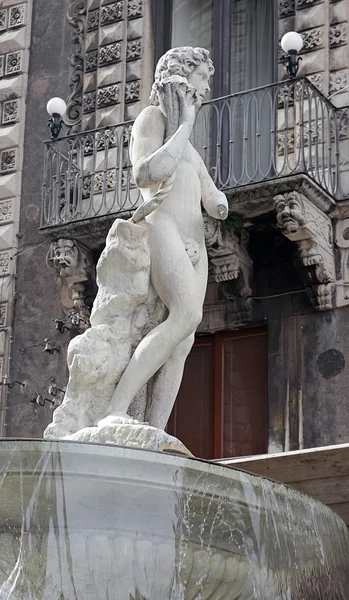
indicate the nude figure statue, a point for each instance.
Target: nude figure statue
{"x":174,"y":182}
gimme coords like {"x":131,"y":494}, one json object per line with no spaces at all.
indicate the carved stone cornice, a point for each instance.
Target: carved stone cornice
{"x":76,"y":16}
{"x":306,"y":225}
{"x":257,"y":199}
{"x":230,"y":265}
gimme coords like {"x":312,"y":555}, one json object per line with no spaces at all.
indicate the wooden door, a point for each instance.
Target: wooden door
{"x":221,"y":408}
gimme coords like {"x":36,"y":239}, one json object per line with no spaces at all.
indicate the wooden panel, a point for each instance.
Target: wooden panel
{"x":192,"y":417}
{"x":322,"y":473}
{"x":300,"y":465}
{"x":245,"y":394}
{"x":332,"y":490}
{"x":342,"y":509}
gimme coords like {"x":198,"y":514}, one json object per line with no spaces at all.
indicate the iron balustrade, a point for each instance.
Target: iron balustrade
{"x":245,"y":138}
{"x":88,"y":175}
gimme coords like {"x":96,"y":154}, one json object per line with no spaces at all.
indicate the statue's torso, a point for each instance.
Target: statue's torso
{"x":182,"y":207}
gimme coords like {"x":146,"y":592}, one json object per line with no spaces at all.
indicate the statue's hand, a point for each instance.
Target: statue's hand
{"x":176,"y":97}
{"x":186,"y":105}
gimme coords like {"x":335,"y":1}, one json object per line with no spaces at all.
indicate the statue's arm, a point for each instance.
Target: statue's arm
{"x":153,"y":160}
{"x":213,"y":200}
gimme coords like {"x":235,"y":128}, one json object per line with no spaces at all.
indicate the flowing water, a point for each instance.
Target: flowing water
{"x":89,"y":522}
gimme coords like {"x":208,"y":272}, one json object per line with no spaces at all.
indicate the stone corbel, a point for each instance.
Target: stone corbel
{"x":305,"y":224}
{"x":342,"y":241}
{"x":230,"y":265}
{"x":73,"y":263}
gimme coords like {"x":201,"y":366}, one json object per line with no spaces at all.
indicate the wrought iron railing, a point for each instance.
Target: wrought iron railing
{"x":88,"y":175}
{"x":262,"y":134}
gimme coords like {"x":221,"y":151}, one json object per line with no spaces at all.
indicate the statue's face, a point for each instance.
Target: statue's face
{"x":65,"y":254}
{"x":289,"y":213}
{"x":200,"y":80}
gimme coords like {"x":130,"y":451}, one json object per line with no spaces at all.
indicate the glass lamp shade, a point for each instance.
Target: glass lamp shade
{"x":292,"y":41}
{"x":56,"y":106}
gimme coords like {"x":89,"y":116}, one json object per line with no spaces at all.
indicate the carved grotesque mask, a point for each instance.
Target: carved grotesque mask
{"x":211,"y":229}
{"x":65,"y":255}
{"x":289,"y":212}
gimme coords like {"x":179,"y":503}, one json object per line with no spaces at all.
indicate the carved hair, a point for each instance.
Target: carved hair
{"x":179,"y":61}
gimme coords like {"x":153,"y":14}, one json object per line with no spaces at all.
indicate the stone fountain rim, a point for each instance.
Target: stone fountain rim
{"x":215,"y":468}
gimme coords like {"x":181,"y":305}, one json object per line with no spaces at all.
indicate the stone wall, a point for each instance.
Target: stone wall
{"x":323,"y":25}
{"x":37,"y":292}
{"x":15,"y":24}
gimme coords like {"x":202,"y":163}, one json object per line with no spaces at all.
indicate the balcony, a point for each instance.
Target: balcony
{"x":283,"y":132}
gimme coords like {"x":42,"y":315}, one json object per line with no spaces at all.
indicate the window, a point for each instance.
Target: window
{"x":240,"y":34}
{"x":221,"y":408}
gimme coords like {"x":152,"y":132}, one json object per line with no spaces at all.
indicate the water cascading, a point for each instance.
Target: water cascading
{"x":91,"y":522}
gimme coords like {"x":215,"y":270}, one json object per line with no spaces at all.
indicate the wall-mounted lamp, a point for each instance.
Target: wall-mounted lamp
{"x":50,"y":347}
{"x":56,"y":108}
{"x":40,"y":400}
{"x":10,"y":383}
{"x":53,"y":389}
{"x":292,"y":44}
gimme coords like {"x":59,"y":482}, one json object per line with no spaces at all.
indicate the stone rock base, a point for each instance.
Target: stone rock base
{"x":130,"y":433}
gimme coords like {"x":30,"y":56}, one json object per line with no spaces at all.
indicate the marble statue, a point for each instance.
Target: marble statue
{"x":158,"y":257}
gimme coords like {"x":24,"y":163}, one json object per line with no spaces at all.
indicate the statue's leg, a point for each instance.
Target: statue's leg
{"x":182,"y":289}
{"x":166,"y":385}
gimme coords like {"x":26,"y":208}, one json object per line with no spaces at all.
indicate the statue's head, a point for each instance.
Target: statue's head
{"x":289,"y":212}
{"x":193,"y":64}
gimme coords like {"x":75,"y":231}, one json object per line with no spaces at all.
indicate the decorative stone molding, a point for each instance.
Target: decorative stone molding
{"x":285,"y":141}
{"x":306,"y":3}
{"x":313,"y":39}
{"x":105,"y":34}
{"x":132,"y":91}
{"x":3,"y":314}
{"x":134,"y":49}
{"x":338,"y":80}
{"x":74,"y":265}
{"x":134,"y":8}
{"x":286,"y":8}
{"x":109,"y":54}
{"x":111,"y":13}
{"x":230,"y":265}
{"x":5,"y":258}
{"x":10,"y":112}
{"x":108,"y":95}
{"x":317,"y":79}
{"x":6,"y":211}
{"x":302,"y":222}
{"x":8,"y":160}
{"x":76,"y":17}
{"x":338,"y":34}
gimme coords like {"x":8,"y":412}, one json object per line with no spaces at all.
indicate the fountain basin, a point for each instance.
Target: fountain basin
{"x":94,"y":522}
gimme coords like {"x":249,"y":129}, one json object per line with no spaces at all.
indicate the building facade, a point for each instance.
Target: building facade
{"x":269,"y":369}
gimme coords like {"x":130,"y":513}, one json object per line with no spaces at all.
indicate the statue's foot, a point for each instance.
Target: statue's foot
{"x":116,"y":418}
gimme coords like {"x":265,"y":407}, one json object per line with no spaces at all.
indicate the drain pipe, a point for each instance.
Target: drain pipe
{"x":4,"y":424}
